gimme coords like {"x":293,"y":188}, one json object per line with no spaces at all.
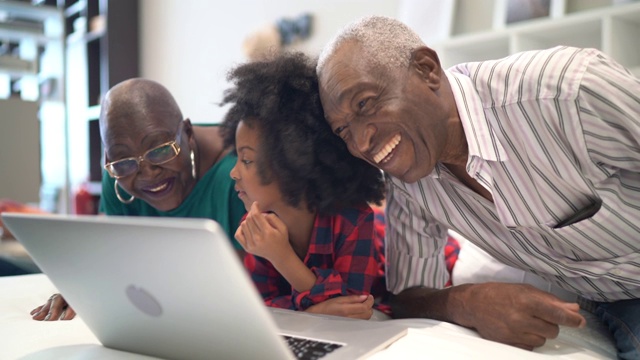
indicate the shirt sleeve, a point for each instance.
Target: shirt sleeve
{"x":358,"y":263}
{"x":275,"y":291}
{"x":414,"y":243}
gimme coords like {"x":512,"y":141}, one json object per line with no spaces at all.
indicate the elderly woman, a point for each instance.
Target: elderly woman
{"x":158,"y":164}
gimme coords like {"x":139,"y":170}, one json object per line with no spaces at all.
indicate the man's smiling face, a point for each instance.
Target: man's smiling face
{"x":391,"y":118}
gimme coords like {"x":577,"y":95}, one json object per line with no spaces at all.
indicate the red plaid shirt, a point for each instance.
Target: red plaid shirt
{"x":345,"y":253}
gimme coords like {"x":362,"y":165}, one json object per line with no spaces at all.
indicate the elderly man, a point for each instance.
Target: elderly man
{"x":535,"y":158}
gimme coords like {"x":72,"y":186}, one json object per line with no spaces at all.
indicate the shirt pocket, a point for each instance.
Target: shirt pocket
{"x":581,"y":214}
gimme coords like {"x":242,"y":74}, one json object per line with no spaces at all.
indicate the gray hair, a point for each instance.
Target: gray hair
{"x":385,"y":42}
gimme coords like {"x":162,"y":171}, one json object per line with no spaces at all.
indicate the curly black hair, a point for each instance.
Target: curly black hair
{"x":298,"y":150}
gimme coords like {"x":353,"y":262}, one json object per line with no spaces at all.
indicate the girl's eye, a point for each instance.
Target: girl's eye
{"x":246,"y":162}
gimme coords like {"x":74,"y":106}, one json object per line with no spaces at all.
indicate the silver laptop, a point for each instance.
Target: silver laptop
{"x":175,"y":288}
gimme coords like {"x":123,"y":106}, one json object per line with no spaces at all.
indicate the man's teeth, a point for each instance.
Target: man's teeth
{"x":387,"y":149}
{"x":159,"y":188}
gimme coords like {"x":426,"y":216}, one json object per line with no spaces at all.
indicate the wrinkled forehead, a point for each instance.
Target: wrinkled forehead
{"x":347,"y":54}
{"x":137,"y":107}
{"x":345,"y":64}
{"x":344,"y":75}
{"x":121,"y":123}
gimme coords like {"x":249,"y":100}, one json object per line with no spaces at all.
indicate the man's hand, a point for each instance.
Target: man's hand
{"x":56,"y":308}
{"x":353,"y":306}
{"x":519,"y":314}
{"x":514,"y":314}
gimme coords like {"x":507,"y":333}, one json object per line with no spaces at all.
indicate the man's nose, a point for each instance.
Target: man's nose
{"x":362,"y":135}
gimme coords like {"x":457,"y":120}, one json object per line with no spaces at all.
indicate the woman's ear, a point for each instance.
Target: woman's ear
{"x":188,"y":128}
{"x":427,"y":64}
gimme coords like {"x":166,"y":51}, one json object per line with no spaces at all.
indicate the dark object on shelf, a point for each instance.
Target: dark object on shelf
{"x":295,"y":29}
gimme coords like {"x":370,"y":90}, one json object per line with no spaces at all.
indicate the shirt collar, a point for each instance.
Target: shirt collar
{"x":481,"y":138}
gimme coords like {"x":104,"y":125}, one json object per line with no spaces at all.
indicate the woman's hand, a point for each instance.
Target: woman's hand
{"x":56,"y":308}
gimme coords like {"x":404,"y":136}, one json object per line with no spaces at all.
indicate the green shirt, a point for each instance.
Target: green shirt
{"x":213,"y":197}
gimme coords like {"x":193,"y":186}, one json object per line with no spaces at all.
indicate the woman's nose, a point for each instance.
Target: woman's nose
{"x":146,"y":168}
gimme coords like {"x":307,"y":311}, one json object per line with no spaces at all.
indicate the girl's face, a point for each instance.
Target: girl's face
{"x":249,"y":185}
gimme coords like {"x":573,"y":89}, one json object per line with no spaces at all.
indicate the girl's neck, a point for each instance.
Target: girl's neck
{"x":299,"y":222}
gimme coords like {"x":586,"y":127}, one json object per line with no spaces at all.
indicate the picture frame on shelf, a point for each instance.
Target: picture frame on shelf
{"x":510,"y":12}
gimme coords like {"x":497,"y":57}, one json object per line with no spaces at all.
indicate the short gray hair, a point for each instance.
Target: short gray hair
{"x":385,"y":42}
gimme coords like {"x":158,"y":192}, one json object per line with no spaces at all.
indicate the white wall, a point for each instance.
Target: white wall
{"x":189,"y":45}
{"x":20,"y":150}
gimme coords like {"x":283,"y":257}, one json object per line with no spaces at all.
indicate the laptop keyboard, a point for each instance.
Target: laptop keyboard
{"x":307,"y":349}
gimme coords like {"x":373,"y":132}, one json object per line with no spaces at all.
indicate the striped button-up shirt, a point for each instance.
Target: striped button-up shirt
{"x":554,"y":136}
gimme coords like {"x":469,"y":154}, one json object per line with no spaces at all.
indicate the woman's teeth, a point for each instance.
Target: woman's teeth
{"x":387,"y":149}
{"x":160,"y":187}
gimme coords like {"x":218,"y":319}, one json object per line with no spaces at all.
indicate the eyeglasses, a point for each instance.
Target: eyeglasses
{"x":159,"y":155}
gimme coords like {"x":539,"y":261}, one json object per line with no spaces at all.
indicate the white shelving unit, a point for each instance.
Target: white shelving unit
{"x":479,"y":32}
{"x":32,"y":72}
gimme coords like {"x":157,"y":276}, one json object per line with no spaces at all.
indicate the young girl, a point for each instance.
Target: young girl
{"x":309,"y":232}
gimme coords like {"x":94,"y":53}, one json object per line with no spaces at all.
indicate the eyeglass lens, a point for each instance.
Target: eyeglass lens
{"x":156,"y":156}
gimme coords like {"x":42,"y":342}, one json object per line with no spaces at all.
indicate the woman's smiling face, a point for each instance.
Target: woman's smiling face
{"x":138,"y":115}
{"x":163,"y":186}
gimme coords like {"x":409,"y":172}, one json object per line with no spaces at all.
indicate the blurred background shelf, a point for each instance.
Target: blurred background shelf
{"x":479,"y":29}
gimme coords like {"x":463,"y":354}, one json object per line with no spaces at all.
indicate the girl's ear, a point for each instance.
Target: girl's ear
{"x":427,"y":64}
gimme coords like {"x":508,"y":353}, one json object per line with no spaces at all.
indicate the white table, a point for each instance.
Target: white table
{"x":26,"y":339}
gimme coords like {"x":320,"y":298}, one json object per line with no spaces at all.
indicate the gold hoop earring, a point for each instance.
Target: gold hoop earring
{"x":129,"y":201}
{"x":193,"y":165}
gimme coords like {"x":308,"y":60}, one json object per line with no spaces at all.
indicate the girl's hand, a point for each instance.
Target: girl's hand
{"x":353,"y":306}
{"x":264,"y":235}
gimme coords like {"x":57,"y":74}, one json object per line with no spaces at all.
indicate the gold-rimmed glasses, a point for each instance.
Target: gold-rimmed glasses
{"x":159,"y":155}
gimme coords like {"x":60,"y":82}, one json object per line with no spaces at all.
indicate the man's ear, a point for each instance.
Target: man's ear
{"x":426,"y":62}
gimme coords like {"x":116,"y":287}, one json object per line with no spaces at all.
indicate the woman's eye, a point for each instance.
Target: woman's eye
{"x":339,"y":130}
{"x":362,"y":103}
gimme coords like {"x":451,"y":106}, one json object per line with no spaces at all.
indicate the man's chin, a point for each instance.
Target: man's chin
{"x":412,"y":175}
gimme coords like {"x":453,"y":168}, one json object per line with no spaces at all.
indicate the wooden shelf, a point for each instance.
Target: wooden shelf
{"x":97,"y":60}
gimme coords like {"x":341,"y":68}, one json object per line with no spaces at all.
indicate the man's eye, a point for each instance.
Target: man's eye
{"x":339,"y":130}
{"x":362,"y":103}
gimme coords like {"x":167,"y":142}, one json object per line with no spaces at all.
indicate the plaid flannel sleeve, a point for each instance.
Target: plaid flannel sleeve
{"x":355,"y":266}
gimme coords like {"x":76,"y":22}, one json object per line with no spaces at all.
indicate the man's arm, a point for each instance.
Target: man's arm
{"x":513,"y":314}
